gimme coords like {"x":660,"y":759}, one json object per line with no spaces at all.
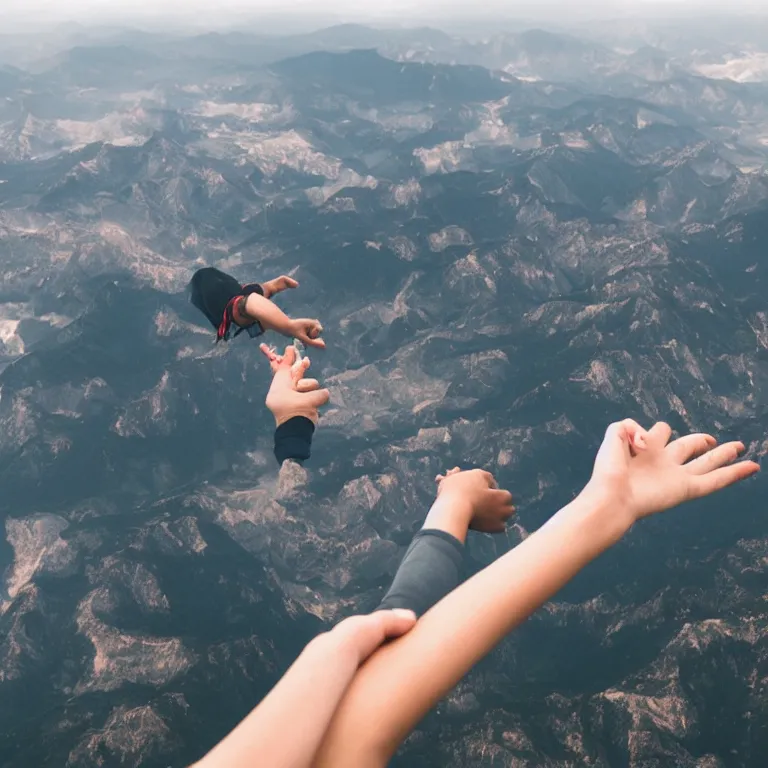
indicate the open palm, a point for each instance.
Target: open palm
{"x":644,"y":473}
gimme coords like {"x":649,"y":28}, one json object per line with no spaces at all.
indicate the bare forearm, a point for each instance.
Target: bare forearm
{"x":271,"y":317}
{"x":307,"y":696}
{"x":450,"y":515}
{"x":403,"y":680}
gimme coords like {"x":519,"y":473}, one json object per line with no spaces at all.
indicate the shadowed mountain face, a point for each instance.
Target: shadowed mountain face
{"x":506,"y":253}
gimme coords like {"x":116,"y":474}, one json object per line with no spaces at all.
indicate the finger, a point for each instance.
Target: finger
{"x":268,"y":351}
{"x":367,"y":633}
{"x":318,"y":397}
{"x":504,"y":498}
{"x":488,"y":477}
{"x":397,"y":621}
{"x":383,"y":625}
{"x":686,"y":448}
{"x":307,"y":385}
{"x":289,"y":356}
{"x":275,"y":360}
{"x":318,"y":343}
{"x":716,"y":458}
{"x":659,"y":434}
{"x":439,"y":479}
{"x":635,"y":435}
{"x":299,"y":368}
{"x":619,"y":439}
{"x":718,"y":479}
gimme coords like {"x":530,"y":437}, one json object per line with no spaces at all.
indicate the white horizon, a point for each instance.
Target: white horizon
{"x":198,"y":13}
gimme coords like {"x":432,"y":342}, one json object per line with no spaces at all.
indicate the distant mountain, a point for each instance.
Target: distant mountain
{"x":102,"y":66}
{"x":511,"y":241}
{"x":370,"y":78}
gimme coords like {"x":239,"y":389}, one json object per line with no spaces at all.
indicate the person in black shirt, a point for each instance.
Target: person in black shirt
{"x":232,"y":308}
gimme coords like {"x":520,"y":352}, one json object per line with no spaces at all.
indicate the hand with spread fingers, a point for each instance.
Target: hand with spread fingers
{"x":291,"y":394}
{"x":642,"y":472}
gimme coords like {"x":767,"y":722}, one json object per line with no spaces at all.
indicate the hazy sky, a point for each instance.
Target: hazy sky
{"x":218,"y":12}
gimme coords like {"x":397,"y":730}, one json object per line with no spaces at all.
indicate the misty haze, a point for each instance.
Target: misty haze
{"x":515,"y":227}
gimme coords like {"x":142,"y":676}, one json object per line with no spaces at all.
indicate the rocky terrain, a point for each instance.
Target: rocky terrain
{"x":511,"y":242}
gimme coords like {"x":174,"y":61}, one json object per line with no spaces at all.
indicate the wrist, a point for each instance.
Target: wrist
{"x":608,"y":516}
{"x":282,"y":418}
{"x":452,"y":513}
{"x":293,"y":439}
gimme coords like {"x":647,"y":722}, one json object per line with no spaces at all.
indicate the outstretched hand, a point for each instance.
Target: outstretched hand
{"x":643,"y":473}
{"x":291,"y":394}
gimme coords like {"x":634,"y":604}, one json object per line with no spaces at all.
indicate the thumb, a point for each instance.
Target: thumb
{"x":396,"y":621}
{"x":366,"y":633}
{"x":616,"y":447}
{"x":318,"y":397}
{"x":382,"y":626}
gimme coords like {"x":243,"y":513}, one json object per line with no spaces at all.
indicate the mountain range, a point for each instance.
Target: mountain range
{"x":511,"y":241}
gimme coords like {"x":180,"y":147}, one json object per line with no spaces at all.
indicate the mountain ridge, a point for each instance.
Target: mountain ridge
{"x":503,"y":265}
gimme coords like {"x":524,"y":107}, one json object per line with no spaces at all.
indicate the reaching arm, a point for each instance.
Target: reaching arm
{"x":285,"y":729}
{"x":271,"y":317}
{"x":459,"y":631}
{"x":635,"y":475}
{"x":268,"y":314}
{"x":311,"y":687}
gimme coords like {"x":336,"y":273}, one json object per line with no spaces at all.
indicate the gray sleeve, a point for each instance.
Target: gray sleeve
{"x":432,"y":567}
